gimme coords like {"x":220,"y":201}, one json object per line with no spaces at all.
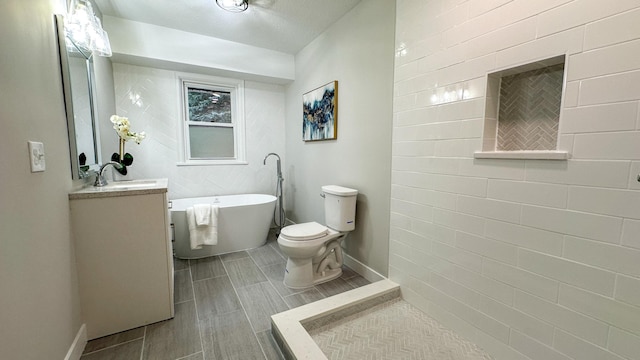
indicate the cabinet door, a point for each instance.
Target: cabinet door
{"x":123,"y":261}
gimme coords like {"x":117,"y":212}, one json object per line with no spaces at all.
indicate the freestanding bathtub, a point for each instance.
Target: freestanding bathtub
{"x":243,"y":223}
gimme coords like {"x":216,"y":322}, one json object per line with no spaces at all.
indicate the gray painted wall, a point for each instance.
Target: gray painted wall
{"x":358,"y":52}
{"x":39,"y":308}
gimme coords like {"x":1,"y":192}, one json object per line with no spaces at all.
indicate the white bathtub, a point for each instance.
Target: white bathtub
{"x":243,"y":223}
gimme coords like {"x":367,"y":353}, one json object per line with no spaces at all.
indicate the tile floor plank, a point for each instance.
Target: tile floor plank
{"x":180,"y":264}
{"x":260,"y":301}
{"x":115,"y":339}
{"x":198,"y":356}
{"x":244,"y":272}
{"x":265,"y":255}
{"x":276,"y":247}
{"x":348,"y":273}
{"x":175,"y":338}
{"x":334,"y":287}
{"x":127,"y":351}
{"x":183,"y":287}
{"x":229,"y":336}
{"x":206,"y":268}
{"x":303,"y":298}
{"x":358,"y":281}
{"x":234,"y":256}
{"x":215,"y":296}
{"x":269,"y":345}
{"x":275,"y":274}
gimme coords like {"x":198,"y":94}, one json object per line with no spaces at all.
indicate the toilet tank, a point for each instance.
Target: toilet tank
{"x":340,"y":207}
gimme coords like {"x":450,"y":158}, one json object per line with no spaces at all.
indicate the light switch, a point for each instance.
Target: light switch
{"x":36,"y":155}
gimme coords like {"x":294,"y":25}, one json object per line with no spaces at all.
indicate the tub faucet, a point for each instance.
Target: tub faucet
{"x":100,"y":180}
{"x":264,"y":162}
{"x":278,"y":191}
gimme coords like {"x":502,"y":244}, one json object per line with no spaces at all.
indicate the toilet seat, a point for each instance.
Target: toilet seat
{"x":306,"y":235}
{"x":305,"y":231}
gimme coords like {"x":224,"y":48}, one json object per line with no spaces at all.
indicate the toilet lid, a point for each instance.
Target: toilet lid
{"x":304,"y":231}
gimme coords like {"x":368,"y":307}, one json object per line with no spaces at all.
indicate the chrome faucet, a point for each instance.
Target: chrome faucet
{"x":100,"y":180}
{"x":264,"y":162}
{"x":279,"y":192}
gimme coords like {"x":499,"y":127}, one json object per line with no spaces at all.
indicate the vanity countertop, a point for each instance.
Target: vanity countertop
{"x":122,"y":188}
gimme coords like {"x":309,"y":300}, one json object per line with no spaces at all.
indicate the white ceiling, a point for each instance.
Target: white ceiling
{"x":282,"y":25}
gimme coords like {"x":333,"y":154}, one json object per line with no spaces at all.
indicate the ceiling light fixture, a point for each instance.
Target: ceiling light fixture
{"x":233,"y":5}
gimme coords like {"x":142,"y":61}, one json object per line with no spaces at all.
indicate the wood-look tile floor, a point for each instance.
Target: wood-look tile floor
{"x":223,"y":306}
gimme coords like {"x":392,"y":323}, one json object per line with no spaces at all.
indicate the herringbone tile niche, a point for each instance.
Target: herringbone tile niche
{"x":526,"y":104}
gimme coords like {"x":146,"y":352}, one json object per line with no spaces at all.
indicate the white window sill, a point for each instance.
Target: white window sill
{"x":522,"y":155}
{"x":212,"y":162}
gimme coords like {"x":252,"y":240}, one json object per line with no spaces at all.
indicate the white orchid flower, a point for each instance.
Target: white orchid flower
{"x":122,"y":126}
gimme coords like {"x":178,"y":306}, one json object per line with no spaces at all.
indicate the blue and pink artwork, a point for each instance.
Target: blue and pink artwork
{"x":320,"y":113}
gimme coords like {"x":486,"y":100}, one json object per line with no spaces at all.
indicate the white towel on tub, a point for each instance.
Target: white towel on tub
{"x":200,"y":235}
{"x":202,"y":213}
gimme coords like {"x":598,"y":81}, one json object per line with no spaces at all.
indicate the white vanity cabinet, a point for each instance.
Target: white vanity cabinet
{"x":123,"y":256}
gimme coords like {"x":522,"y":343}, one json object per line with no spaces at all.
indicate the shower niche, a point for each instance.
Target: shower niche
{"x":522,"y":112}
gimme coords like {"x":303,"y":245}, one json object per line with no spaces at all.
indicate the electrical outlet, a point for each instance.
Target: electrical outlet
{"x":36,"y":156}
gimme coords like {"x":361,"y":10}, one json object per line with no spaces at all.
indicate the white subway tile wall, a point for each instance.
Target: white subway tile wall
{"x":156,"y":111}
{"x":600,"y":118}
{"x":530,"y":259}
{"x":630,"y":230}
{"x":628,"y":290}
{"x":587,"y":64}
{"x":625,"y":344}
{"x":634,"y":175}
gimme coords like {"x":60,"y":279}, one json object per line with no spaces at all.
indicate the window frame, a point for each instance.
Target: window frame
{"x":236,"y":88}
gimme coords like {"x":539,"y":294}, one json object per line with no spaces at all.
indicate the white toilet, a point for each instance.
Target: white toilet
{"x":314,"y":251}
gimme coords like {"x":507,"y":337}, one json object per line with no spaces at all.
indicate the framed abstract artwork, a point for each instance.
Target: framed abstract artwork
{"x":320,"y":113}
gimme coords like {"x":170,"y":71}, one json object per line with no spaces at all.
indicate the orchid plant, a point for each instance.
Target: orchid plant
{"x":122,"y":127}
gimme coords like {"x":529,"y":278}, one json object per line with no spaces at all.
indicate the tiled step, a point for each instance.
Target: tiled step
{"x":393,"y":330}
{"x":371,"y":322}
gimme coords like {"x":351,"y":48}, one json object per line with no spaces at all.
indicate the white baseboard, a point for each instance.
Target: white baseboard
{"x":77,"y":347}
{"x":362,"y":269}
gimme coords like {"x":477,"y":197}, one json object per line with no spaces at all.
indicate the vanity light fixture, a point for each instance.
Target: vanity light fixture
{"x":84,"y":29}
{"x":233,"y":5}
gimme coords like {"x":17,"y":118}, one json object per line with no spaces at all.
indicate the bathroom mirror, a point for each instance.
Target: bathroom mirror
{"x":78,"y":81}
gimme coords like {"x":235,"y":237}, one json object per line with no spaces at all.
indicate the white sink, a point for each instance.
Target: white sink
{"x":120,"y":188}
{"x":129,"y":184}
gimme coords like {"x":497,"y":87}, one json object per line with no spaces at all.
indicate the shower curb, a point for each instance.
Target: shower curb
{"x":290,"y":328}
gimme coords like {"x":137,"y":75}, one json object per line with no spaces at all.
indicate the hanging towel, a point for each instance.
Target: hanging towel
{"x":202,"y":213}
{"x":204,"y":234}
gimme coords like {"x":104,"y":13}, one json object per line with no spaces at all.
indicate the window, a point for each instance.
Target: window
{"x":212,"y":120}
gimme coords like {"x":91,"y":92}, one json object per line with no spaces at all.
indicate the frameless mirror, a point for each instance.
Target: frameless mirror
{"x":78,"y":81}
